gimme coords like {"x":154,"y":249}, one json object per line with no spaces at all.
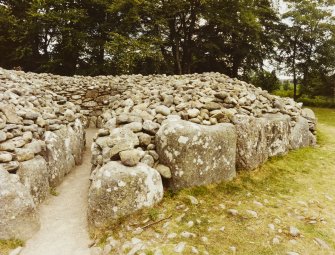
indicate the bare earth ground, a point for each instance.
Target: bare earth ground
{"x":63,"y":217}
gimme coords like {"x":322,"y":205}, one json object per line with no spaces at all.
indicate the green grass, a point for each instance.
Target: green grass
{"x":53,"y":192}
{"x":325,"y":116}
{"x":282,"y":184}
{"x":7,"y":245}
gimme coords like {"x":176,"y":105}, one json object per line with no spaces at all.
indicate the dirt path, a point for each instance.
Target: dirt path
{"x":63,"y":217}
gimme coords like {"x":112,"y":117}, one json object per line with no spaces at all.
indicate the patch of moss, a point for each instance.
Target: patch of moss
{"x":7,"y":245}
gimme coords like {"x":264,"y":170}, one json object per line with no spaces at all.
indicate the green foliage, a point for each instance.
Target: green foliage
{"x":283,"y":93}
{"x":153,"y":214}
{"x":239,"y":35}
{"x":235,"y":37}
{"x":53,"y":192}
{"x":7,"y":245}
{"x":266,"y":80}
{"x":307,"y":44}
{"x":318,"y":101}
{"x":130,"y":55}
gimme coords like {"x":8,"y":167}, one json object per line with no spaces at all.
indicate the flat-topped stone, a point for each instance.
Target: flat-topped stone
{"x":197,"y":155}
{"x":117,"y":191}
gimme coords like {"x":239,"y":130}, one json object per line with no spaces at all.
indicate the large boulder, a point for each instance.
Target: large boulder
{"x":58,"y":155}
{"x":18,"y":216}
{"x":311,"y":118}
{"x":252,"y":147}
{"x":117,"y":191}
{"x":278,"y":131}
{"x":300,"y":134}
{"x":34,"y":176}
{"x":77,"y":136}
{"x":196,"y":155}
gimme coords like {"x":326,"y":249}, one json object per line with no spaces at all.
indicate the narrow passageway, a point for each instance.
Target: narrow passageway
{"x":63,"y":217}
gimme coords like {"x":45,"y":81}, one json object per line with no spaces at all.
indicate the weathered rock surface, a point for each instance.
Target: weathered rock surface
{"x":18,"y":216}
{"x":118,"y":191}
{"x":34,"y":176}
{"x":197,"y":155}
{"x":56,"y":156}
{"x":278,"y":132}
{"x":252,"y":146}
{"x":300,"y":134}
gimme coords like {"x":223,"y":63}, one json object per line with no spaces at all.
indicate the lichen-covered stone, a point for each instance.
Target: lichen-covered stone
{"x":77,"y":141}
{"x":58,"y":155}
{"x":311,"y":118}
{"x":10,"y":113}
{"x":33,"y":175}
{"x":18,"y":216}
{"x":300,"y":134}
{"x":278,"y":132}
{"x":117,"y":191}
{"x":252,"y":147}
{"x":196,"y":154}
{"x":131,"y":157}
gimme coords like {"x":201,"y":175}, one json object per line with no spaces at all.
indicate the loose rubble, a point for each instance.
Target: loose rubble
{"x":32,"y":119}
{"x":182,"y":131}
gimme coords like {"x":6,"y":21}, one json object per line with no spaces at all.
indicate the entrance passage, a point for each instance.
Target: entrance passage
{"x":63,"y":217}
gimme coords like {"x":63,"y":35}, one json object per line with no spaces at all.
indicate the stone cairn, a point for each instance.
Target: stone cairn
{"x":41,"y":139}
{"x":182,"y":131}
{"x":193,"y":130}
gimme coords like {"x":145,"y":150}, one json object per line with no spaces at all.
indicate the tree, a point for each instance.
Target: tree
{"x":309,"y":27}
{"x":175,"y":23}
{"x":266,"y":80}
{"x":238,"y":35}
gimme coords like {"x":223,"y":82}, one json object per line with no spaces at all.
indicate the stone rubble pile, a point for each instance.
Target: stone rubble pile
{"x":195,"y":130}
{"x":135,"y":116}
{"x":92,"y":94}
{"x":41,"y":139}
{"x":182,"y":131}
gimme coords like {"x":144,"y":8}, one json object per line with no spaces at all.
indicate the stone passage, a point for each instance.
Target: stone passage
{"x":63,"y":217}
{"x":180,"y":131}
{"x":41,"y":140}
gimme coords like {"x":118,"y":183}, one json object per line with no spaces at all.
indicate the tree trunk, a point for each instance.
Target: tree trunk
{"x":295,"y":80}
{"x":175,"y":44}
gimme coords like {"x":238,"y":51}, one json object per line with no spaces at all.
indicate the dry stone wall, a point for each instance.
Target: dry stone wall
{"x":41,"y":139}
{"x":193,"y":130}
{"x":182,"y":131}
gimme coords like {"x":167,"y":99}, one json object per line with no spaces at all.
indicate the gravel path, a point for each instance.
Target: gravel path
{"x":63,"y":217}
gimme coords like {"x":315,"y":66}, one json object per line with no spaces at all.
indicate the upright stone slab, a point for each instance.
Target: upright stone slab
{"x":197,"y":155}
{"x":300,"y":134}
{"x":18,"y":216}
{"x":77,"y":136}
{"x":278,"y":131}
{"x":34,"y":176}
{"x":58,"y":155}
{"x":117,"y":191}
{"x":252,"y":148}
{"x":311,"y":118}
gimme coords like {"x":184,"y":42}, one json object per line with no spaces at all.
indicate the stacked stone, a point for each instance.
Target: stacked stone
{"x":92,"y":94}
{"x":193,"y":130}
{"x":40,"y":141}
{"x":26,"y":113}
{"x":206,"y":99}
